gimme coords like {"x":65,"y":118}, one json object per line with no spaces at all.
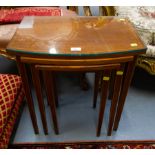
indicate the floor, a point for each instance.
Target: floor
{"x":78,"y":120}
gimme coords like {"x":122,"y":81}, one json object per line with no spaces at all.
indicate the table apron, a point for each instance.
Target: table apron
{"x":91,"y":68}
{"x":76,"y":62}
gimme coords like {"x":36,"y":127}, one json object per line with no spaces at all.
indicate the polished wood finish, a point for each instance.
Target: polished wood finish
{"x":50,"y":89}
{"x":38,"y":90}
{"x":48,"y":36}
{"x":97,"y":83}
{"x":115,"y":97}
{"x":48,"y":80}
{"x":23,"y":74}
{"x":55,"y":90}
{"x":76,"y":61}
{"x":114,"y":88}
{"x":80,"y":44}
{"x":124,"y":91}
{"x":92,"y":68}
{"x":104,"y":92}
{"x":111,"y":86}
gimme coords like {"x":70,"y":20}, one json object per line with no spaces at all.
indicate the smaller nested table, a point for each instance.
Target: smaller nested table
{"x":80,"y":44}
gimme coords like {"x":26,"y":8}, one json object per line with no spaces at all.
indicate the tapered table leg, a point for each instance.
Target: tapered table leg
{"x":37,"y":86}
{"x":49,"y":85}
{"x":96,"y":87}
{"x":111,"y":86}
{"x":115,"y":97}
{"x":104,"y":92}
{"x":55,"y":91}
{"x":25,"y":83}
{"x":124,"y":90}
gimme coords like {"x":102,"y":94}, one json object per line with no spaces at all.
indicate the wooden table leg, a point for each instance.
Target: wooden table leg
{"x":55,"y":90}
{"x":124,"y":90}
{"x":83,"y":81}
{"x":37,"y":86}
{"x":48,"y":79}
{"x":115,"y":97}
{"x":104,"y":92}
{"x":25,"y":83}
{"x":111,"y":86}
{"x":96,"y":87}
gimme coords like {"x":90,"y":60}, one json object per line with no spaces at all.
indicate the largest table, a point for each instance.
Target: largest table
{"x":74,"y":44}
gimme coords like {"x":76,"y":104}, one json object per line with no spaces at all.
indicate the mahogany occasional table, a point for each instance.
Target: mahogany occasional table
{"x":80,"y":44}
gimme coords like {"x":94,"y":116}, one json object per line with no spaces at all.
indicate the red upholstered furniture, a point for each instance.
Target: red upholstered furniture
{"x":15,"y":15}
{"x":11,"y":97}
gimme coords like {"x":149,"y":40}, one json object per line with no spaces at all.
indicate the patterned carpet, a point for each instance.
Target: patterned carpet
{"x":87,"y":145}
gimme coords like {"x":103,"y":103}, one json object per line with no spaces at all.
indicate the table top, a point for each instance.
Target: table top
{"x":75,"y":36}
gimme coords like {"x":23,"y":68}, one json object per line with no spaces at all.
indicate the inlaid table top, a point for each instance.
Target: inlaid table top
{"x":75,"y":36}
{"x":80,"y":44}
